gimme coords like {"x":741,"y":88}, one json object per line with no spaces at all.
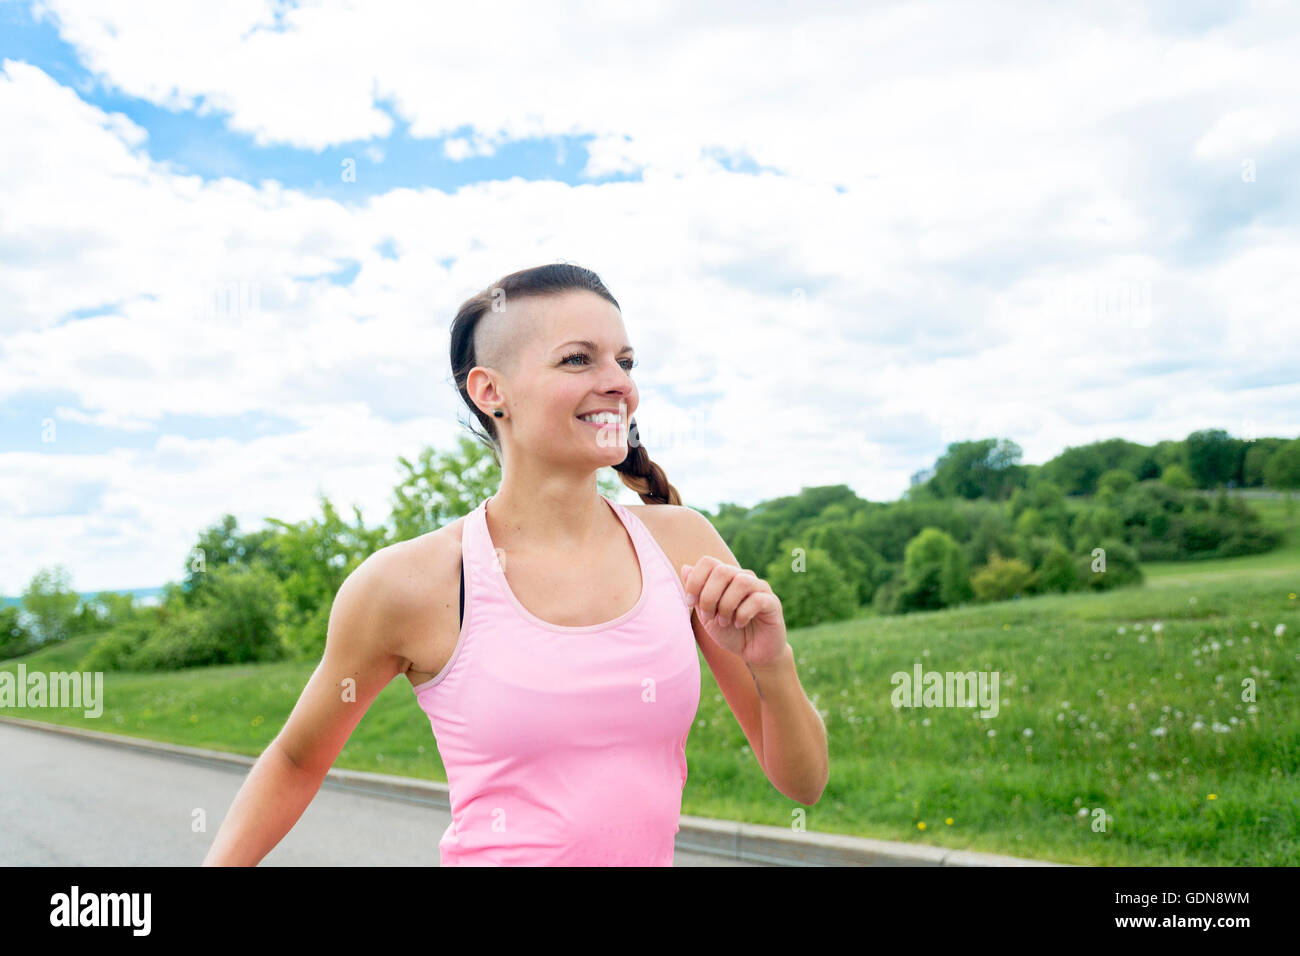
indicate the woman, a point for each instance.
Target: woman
{"x":548,"y":634}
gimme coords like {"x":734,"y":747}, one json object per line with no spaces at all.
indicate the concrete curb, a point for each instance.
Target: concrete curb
{"x":750,"y":842}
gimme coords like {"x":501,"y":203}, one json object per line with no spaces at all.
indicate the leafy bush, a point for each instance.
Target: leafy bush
{"x":935,"y":574}
{"x":245,"y":608}
{"x":1164,"y":524}
{"x":1120,"y":567}
{"x":116,"y":650}
{"x":1057,"y":573}
{"x":819,"y":592}
{"x":1251,"y":539}
{"x":922,"y":591}
{"x":1002,"y":578}
{"x":237,"y":618}
{"x":1199,"y":534}
{"x":185,"y":640}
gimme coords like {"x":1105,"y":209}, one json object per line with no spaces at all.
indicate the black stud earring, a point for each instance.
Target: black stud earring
{"x":497,"y":412}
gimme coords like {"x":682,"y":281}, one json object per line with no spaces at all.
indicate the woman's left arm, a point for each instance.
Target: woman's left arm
{"x":736,"y":610}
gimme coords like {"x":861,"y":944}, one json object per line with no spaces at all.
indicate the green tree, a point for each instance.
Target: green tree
{"x":921,"y":592}
{"x":978,"y":469}
{"x":889,"y":528}
{"x":116,"y":609}
{"x":1030,"y":523}
{"x":219,"y":545}
{"x":812,"y":590}
{"x":103,"y":612}
{"x":1257,"y":456}
{"x":1176,"y":476}
{"x":860,"y":563}
{"x":1168,"y":453}
{"x":935,"y":573}
{"x":52,"y":603}
{"x":440,"y":487}
{"x":1283,"y":471}
{"x":954,"y":583}
{"x":754,"y":543}
{"x":1116,"y":480}
{"x":992,"y":533}
{"x":1092,"y":524}
{"x":245,"y":609}
{"x":1077,"y":470}
{"x":311,"y":559}
{"x":1052,"y":518}
{"x":1214,"y":457}
{"x":87,"y":619}
{"x":15,"y":639}
{"x":1033,"y":549}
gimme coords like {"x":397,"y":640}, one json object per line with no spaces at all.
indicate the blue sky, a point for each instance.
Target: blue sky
{"x":842,"y":234}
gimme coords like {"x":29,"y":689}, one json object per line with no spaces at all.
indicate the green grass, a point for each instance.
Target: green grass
{"x":1090,"y":695}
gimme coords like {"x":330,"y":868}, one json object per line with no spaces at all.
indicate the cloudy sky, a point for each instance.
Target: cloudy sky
{"x":233,"y":237}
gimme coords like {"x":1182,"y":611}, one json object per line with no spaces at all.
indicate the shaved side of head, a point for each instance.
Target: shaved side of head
{"x":499,"y":336}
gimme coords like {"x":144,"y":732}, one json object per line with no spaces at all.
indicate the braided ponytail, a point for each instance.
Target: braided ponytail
{"x":642,"y":475}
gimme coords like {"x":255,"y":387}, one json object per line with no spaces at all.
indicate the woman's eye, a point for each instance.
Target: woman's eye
{"x":628,"y":364}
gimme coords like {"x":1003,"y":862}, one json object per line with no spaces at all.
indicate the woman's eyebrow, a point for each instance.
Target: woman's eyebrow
{"x":592,"y":345}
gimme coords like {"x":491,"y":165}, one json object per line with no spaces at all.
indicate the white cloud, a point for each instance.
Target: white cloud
{"x":1006,"y":207}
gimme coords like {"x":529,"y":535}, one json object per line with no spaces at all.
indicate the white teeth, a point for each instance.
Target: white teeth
{"x":601,"y":418}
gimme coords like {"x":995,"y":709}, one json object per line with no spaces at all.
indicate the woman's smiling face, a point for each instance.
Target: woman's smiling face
{"x":573,"y":358}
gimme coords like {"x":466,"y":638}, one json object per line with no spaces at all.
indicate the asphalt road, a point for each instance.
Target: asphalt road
{"x":70,"y":802}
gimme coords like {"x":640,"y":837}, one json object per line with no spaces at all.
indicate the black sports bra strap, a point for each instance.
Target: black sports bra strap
{"x":462,"y":592}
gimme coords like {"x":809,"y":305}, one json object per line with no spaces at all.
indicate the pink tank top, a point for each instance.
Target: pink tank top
{"x":564,"y":746}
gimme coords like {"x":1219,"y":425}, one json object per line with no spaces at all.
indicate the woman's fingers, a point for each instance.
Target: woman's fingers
{"x":716,"y":590}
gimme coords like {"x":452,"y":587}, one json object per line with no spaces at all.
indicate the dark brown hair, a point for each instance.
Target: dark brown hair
{"x":637,"y":471}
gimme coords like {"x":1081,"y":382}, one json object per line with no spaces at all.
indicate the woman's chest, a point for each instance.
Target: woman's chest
{"x":568,"y":591}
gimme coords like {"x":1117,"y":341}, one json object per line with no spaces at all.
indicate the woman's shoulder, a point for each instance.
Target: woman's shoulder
{"x":671,"y":525}
{"x":420,"y":574}
{"x":672,"y":519}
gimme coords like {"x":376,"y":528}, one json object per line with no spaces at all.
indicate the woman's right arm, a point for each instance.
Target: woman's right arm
{"x":357,"y":664}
